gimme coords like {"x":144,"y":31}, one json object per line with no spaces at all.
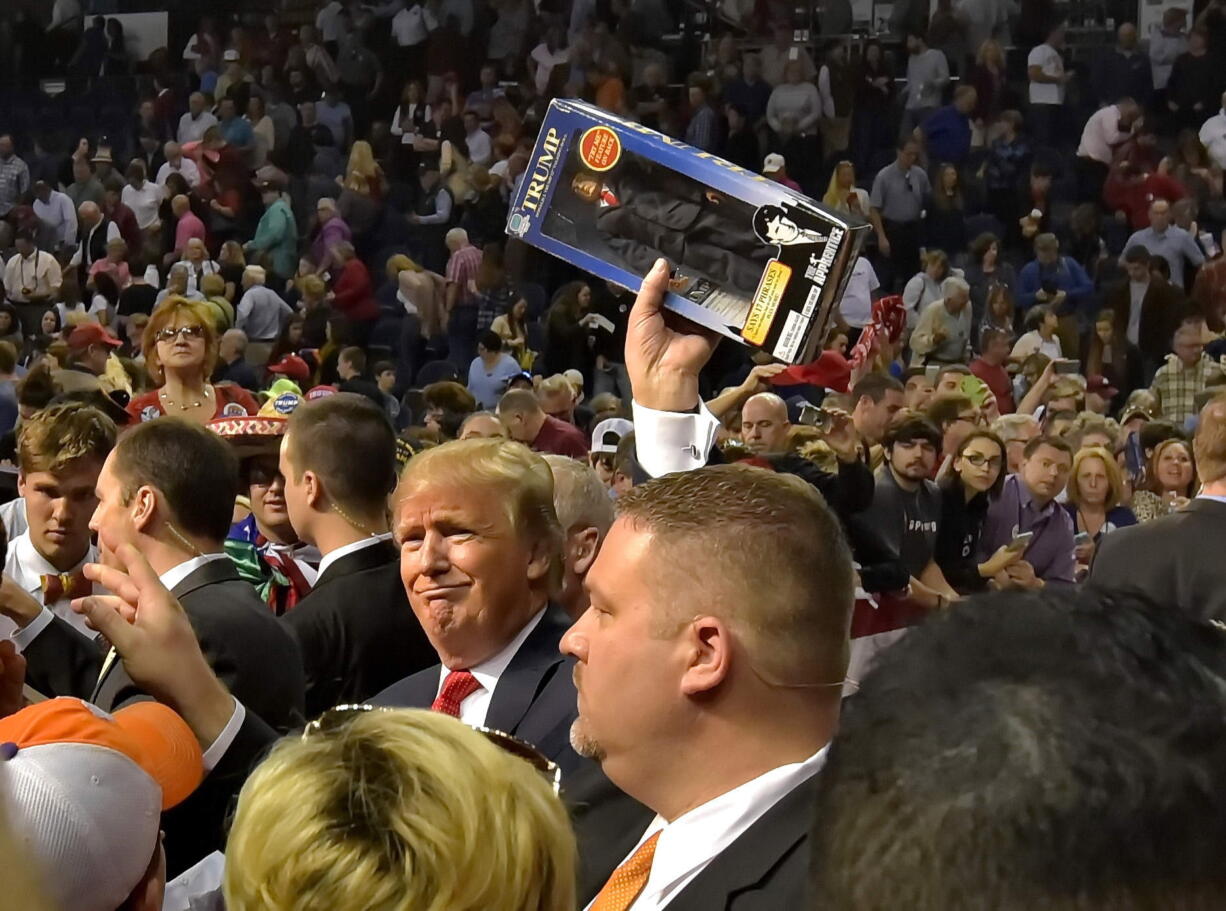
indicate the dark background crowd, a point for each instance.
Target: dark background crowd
{"x":418,"y":464}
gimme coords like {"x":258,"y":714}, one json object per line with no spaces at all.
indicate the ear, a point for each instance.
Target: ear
{"x":583,"y":546}
{"x":709,"y":658}
{"x":144,"y":507}
{"x":313,"y":487}
{"x":21,"y":484}
{"x":539,"y":562}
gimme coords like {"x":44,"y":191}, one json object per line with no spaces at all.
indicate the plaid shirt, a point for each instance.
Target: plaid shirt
{"x":462,"y":270}
{"x":1177,"y":385}
{"x":14,"y":182}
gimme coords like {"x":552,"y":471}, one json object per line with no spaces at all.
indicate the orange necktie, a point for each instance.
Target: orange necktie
{"x":64,"y":585}
{"x":628,"y":880}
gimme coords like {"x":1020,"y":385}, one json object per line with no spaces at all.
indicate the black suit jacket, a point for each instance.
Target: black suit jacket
{"x":1175,"y":560}
{"x":356,"y":630}
{"x":247,"y":648}
{"x":534,"y":700}
{"x":765,"y":869}
{"x":1162,"y":309}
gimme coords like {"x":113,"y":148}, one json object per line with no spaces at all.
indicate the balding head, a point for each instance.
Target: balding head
{"x":89,"y":213}
{"x":585,"y":513}
{"x":764,"y":423}
{"x":172,"y":151}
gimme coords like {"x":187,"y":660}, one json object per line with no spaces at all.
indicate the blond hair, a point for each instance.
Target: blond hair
{"x":398,"y":811}
{"x":1115,"y":480}
{"x":57,"y":437}
{"x":181,"y":311}
{"x":1209,"y":443}
{"x":503,"y":472}
{"x":752,"y":542}
{"x":579,"y":498}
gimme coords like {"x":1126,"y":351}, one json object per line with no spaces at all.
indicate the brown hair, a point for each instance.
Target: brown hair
{"x":194,"y":469}
{"x":184,"y":312}
{"x":59,"y":436}
{"x":359,"y":474}
{"x":1115,"y":480}
{"x":759,"y":539}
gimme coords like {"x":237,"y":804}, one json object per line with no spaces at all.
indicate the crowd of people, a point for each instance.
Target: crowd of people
{"x":362,"y":557}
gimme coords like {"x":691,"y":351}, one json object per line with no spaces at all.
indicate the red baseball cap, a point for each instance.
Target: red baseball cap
{"x":88,"y":334}
{"x":292,"y":366}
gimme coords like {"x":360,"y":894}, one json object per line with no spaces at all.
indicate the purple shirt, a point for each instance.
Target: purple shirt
{"x":333,"y":232}
{"x":1051,"y":549}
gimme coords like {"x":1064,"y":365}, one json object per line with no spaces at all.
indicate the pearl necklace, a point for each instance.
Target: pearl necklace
{"x":169,"y":402}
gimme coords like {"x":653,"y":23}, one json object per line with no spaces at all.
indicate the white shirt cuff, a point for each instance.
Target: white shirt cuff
{"x":218,"y":748}
{"x":669,"y":441}
{"x":24,"y":636}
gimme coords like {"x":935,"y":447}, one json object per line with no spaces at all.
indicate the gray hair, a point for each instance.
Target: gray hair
{"x":954,"y":283}
{"x":579,"y":498}
{"x":256,"y":274}
{"x":238,"y":336}
{"x":1009,"y":426}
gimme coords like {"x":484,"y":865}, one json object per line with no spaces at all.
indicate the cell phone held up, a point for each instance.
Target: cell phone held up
{"x":1067,"y":367}
{"x":1020,"y":541}
{"x":812,"y":416}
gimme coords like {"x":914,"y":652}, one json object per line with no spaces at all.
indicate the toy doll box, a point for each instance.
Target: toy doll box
{"x":750,"y":259}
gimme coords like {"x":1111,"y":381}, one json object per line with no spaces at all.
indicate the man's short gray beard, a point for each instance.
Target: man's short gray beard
{"x":584,"y":745}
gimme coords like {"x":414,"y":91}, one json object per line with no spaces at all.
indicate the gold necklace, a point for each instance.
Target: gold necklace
{"x":169,"y":402}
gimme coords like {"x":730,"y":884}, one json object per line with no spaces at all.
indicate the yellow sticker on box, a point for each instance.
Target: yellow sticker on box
{"x":766,"y":302}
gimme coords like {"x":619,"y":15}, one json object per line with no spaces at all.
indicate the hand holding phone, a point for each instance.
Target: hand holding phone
{"x":1020,"y":541}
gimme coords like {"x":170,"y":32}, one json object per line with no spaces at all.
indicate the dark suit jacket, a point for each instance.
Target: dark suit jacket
{"x":765,"y":869}
{"x":247,"y":648}
{"x":534,"y":700}
{"x":1174,"y":560}
{"x":1161,"y":311}
{"x":356,"y":630}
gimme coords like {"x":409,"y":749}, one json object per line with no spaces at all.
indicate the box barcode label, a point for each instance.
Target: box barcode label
{"x":793,"y":334}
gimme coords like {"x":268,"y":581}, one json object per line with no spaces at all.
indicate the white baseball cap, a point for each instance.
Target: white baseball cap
{"x":609,"y":433}
{"x":774,"y":162}
{"x":84,"y":792}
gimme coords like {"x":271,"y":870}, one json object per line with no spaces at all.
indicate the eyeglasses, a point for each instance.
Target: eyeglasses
{"x":183,"y":332}
{"x":334,"y":719}
{"x":263,"y":476}
{"x":978,"y":460}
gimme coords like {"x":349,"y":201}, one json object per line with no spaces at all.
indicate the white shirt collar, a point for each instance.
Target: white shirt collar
{"x":489,"y":670}
{"x":177,"y":574}
{"x":691,"y":841}
{"x":347,"y":549}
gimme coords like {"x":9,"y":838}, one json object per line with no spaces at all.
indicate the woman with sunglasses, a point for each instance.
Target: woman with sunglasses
{"x":400,"y":809}
{"x":180,"y":345}
{"x":978,"y":475}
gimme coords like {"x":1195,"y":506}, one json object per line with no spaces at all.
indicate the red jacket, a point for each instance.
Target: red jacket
{"x":1133,"y":197}
{"x":354,"y":297}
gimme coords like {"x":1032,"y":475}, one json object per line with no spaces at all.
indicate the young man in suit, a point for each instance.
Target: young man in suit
{"x":1175,"y":559}
{"x":168,"y":488}
{"x":355,"y":629}
{"x":480,"y":556}
{"x":60,"y":452}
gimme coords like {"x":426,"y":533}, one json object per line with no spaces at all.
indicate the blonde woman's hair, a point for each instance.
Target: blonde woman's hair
{"x":1115,"y":480}
{"x":836,"y":197}
{"x":185,"y":313}
{"x":362,"y":161}
{"x":398,"y":811}
{"x":398,"y":263}
{"x":503,"y":472}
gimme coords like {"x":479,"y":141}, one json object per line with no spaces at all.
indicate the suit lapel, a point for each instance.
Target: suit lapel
{"x":521,"y":681}
{"x":750,"y":859}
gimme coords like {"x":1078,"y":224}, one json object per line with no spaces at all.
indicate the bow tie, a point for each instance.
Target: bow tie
{"x":64,"y":585}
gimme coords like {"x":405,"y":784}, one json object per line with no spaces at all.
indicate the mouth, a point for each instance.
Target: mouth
{"x":441,"y":592}
{"x":56,"y":534}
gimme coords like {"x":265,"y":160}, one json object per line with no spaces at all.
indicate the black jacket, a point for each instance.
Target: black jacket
{"x":1174,"y":560}
{"x":765,"y":869}
{"x":534,"y":700}
{"x":357,"y":631}
{"x":957,"y":547}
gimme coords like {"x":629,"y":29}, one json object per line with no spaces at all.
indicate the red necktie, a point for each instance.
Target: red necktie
{"x":64,"y":585}
{"x":628,"y":880}
{"x":458,"y":686}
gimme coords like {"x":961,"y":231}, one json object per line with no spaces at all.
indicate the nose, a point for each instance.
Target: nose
{"x":432,"y":555}
{"x":574,"y":642}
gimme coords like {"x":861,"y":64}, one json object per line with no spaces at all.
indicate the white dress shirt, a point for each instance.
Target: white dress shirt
{"x":480,"y":149}
{"x":26,"y":566}
{"x":476,"y":706}
{"x":192,"y":129}
{"x":857,"y":303}
{"x":690,"y":842}
{"x":40,"y":272}
{"x":1049,"y":61}
{"x":186,"y":167}
{"x":1213,"y":137}
{"x":59,"y":217}
{"x":327,"y":20}
{"x":1101,"y":135}
{"x":669,"y":441}
{"x":346,"y":550}
{"x":144,"y":203}
{"x":410,"y":27}
{"x":262,"y":314}
{"x":177,"y":574}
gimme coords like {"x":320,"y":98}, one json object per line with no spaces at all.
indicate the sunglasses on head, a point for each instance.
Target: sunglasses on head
{"x":334,"y":719}
{"x":184,"y":332}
